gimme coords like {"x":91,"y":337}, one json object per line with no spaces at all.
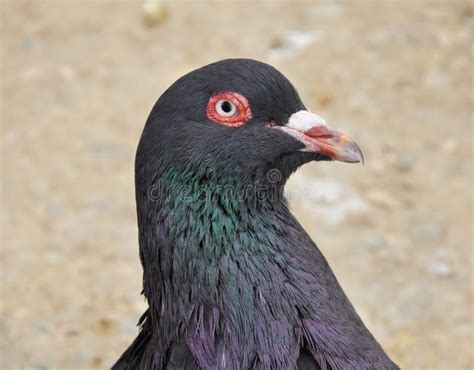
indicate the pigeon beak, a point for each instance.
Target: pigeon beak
{"x":313,"y":131}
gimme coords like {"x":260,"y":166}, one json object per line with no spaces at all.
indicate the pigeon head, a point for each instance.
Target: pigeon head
{"x":231,"y":278}
{"x":238,"y":118}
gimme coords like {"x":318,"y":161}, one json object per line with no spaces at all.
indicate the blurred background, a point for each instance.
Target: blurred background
{"x":78,"y":80}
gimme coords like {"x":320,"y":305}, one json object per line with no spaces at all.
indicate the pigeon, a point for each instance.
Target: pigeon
{"x":231,"y":278}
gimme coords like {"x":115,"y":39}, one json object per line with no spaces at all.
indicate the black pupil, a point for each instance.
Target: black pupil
{"x":226,"y":106}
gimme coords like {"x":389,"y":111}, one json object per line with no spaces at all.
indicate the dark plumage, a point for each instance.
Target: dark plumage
{"x":231,"y":278}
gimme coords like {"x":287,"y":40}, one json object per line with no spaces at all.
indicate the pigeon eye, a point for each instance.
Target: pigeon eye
{"x":229,"y":109}
{"x":225,"y":108}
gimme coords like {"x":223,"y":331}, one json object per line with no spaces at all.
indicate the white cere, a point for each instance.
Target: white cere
{"x":304,"y":120}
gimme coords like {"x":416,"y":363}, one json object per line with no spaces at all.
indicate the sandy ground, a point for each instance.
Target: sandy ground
{"x":78,"y":80}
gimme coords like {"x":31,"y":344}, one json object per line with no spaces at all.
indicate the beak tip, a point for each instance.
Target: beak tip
{"x":353,"y":153}
{"x":361,"y":156}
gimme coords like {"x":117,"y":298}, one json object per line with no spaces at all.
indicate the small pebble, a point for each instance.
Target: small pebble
{"x":293,"y":41}
{"x":28,"y":44}
{"x":97,"y":361}
{"x":373,"y":242}
{"x":404,"y":162}
{"x":67,"y":72}
{"x":382,"y":199}
{"x":322,"y":98}
{"x":440,"y":269}
{"x":449,"y":145}
{"x":376,"y":166}
{"x":430,"y":230}
{"x":42,"y":328}
{"x":71,"y":332}
{"x":154,"y":12}
{"x":106,"y":325}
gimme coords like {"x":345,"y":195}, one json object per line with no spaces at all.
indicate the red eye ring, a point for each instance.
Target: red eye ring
{"x":242,"y":109}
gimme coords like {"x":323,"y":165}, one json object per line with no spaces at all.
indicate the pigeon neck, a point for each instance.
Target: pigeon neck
{"x":190,"y":228}
{"x":260,"y":190}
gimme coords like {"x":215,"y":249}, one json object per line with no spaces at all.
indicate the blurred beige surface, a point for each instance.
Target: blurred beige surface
{"x":78,"y":80}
